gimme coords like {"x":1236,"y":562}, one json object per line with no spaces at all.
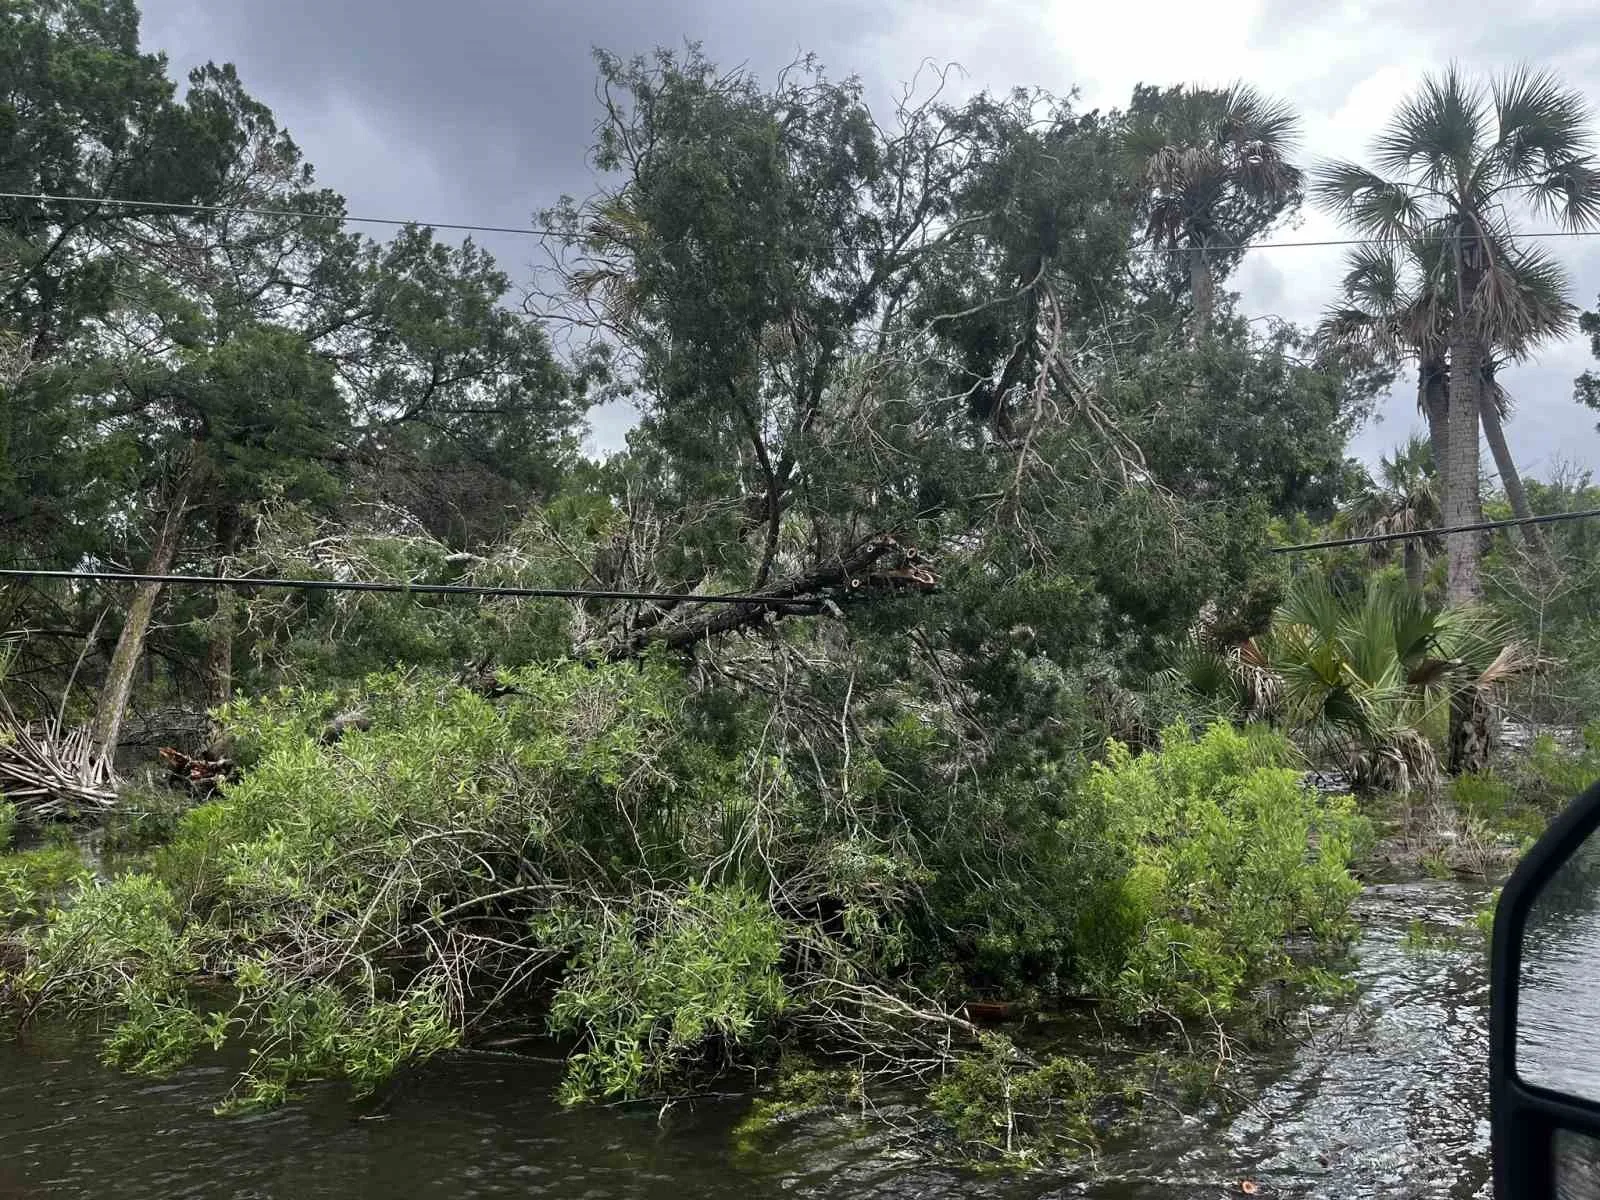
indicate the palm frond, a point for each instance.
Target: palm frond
{"x":1544,"y":299}
{"x":1366,"y":201}
{"x":1515,"y":658}
{"x":1437,"y":133}
{"x":1376,"y":278}
{"x":1251,"y":117}
{"x":1569,"y":193}
{"x":1541,"y":122}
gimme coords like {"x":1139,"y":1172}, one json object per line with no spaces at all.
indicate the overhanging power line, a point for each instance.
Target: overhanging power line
{"x":574,"y":235}
{"x":246,"y":583}
{"x":1476,"y":527}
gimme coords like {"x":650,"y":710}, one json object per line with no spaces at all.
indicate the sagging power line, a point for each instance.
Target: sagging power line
{"x":1476,"y":527}
{"x":577,"y":235}
{"x":246,"y":583}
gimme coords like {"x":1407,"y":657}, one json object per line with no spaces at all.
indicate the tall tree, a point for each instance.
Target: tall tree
{"x":1394,"y":307}
{"x":1213,"y":171}
{"x":1398,"y":303}
{"x":1453,"y":161}
{"x":83,"y":113}
{"x":256,"y":352}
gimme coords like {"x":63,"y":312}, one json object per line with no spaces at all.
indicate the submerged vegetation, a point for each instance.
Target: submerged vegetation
{"x":1015,"y":717}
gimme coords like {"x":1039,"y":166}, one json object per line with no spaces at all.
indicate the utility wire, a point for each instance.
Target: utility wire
{"x":245,"y":582}
{"x":1372,"y":539}
{"x":246,"y":211}
{"x":572,"y":235}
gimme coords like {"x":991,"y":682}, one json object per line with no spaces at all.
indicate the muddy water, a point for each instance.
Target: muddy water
{"x":1381,"y":1095}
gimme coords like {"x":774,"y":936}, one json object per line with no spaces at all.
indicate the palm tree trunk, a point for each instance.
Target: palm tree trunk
{"x":1463,"y":503}
{"x":1416,"y":568}
{"x":1494,"y":433}
{"x":1472,"y":731}
{"x":1433,"y":398}
{"x":1203,"y":288}
{"x":113,"y":702}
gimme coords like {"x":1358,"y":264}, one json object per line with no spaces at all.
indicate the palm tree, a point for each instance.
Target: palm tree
{"x":1361,"y":677}
{"x":1397,"y":303}
{"x":1404,"y":500}
{"x":1214,"y":169}
{"x":1394,"y":307}
{"x":1452,"y":160}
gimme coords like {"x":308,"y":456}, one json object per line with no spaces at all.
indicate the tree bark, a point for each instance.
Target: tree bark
{"x":1433,"y":398}
{"x":1416,"y":566}
{"x":1203,"y":288}
{"x":1463,"y":502}
{"x":1505,"y":466}
{"x":846,"y":575}
{"x":113,"y":703}
{"x":1472,"y":731}
{"x":219,"y":653}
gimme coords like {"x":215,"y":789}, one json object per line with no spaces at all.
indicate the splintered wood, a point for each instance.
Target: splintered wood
{"x":49,"y":771}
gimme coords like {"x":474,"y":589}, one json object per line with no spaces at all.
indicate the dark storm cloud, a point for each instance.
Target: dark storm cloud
{"x":475,"y":109}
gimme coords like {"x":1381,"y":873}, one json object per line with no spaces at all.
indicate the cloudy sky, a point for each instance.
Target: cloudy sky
{"x":480,"y":110}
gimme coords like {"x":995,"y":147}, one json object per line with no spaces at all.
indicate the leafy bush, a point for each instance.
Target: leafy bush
{"x":1496,"y":804}
{"x":1228,"y":856}
{"x":995,"y":1104}
{"x":30,"y":880}
{"x":656,"y":984}
{"x":8,"y":824}
{"x":1363,"y":677}
{"x":1552,"y":777}
{"x":595,"y":851}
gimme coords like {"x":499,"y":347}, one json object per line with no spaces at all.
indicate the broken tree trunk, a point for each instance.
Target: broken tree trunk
{"x":113,"y":704}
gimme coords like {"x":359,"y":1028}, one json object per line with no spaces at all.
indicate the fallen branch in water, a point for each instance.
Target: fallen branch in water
{"x":49,"y":770}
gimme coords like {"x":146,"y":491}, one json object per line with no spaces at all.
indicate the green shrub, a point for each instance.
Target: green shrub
{"x":30,"y":880}
{"x":8,"y":824}
{"x":1552,"y":777}
{"x":1498,"y":804}
{"x":997,"y":1106}
{"x":670,"y":889}
{"x":369,"y":899}
{"x":654,"y":987}
{"x":1228,"y":857}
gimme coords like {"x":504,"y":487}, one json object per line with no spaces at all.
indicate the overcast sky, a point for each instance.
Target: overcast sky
{"x":480,"y":111}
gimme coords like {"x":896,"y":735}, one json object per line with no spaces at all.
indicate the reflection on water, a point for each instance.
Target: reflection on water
{"x":1558,"y":1002}
{"x":1383,"y":1096}
{"x":1577,"y":1159}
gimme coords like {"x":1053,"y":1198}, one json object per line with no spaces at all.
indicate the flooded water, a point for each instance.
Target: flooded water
{"x":1559,"y":1004}
{"x":1383,"y":1095}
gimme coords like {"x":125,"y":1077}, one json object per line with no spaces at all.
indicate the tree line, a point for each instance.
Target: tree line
{"x":969,"y":341}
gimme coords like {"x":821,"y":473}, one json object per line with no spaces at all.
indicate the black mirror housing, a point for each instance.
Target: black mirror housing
{"x":1526,"y":1120}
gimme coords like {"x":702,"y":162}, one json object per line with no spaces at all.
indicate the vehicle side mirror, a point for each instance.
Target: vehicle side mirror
{"x":1544,"y":1015}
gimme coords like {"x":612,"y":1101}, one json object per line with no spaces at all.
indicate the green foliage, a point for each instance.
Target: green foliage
{"x":322,"y":882}
{"x":1227,"y":856}
{"x":8,"y":824}
{"x":1551,"y":776}
{"x":653,"y":987}
{"x":1499,"y":804}
{"x":1364,"y":676}
{"x":997,"y":1106}
{"x":798,"y":1088}
{"x":1553,"y":602}
{"x":30,"y":880}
